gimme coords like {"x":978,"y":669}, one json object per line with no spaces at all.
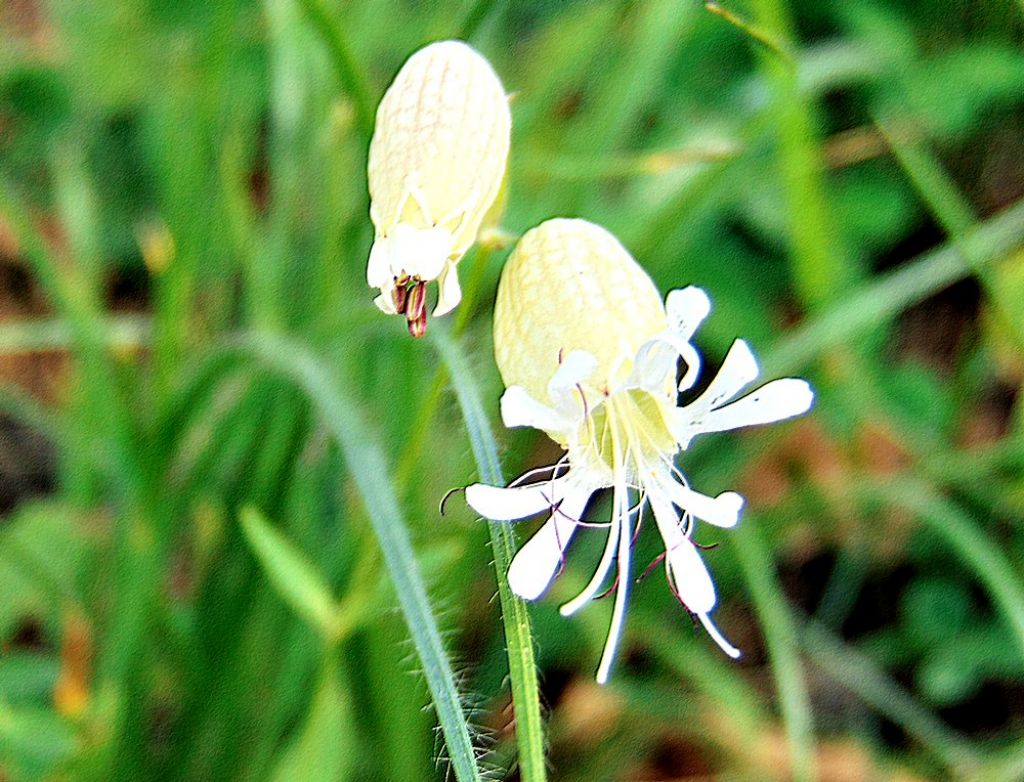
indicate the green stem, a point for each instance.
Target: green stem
{"x":780,"y":638}
{"x":420,"y":428}
{"x":515,"y":618}
{"x":819,"y":271}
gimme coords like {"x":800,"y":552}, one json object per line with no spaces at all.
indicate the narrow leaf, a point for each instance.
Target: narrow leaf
{"x":291,"y":573}
{"x":325,"y":748}
{"x":370,"y":472}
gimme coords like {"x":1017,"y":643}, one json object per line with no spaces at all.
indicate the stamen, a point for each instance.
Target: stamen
{"x":657,"y":561}
{"x":554,"y":468}
{"x":639,"y":508}
{"x":418,"y":326}
{"x":416,"y":308}
{"x":448,"y":494}
{"x":586,"y":411}
{"x":609,"y":590}
{"x":400,"y":297}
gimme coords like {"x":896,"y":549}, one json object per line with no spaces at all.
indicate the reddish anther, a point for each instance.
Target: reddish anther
{"x":416,"y":301}
{"x":400,"y":296}
{"x":418,"y":326}
{"x":416,"y":308}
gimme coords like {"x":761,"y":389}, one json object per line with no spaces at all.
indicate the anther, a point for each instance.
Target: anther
{"x":418,"y":327}
{"x":400,"y":296}
{"x":416,"y":309}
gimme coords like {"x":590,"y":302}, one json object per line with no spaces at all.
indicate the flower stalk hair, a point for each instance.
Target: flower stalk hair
{"x":590,"y":355}
{"x":436,"y":163}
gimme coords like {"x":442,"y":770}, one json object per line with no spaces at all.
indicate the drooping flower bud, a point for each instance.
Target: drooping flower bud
{"x":436,"y":164}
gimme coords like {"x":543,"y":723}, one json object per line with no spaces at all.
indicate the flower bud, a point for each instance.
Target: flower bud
{"x":436,"y":163}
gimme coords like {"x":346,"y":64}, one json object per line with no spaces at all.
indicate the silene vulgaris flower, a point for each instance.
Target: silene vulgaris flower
{"x":436,"y":164}
{"x":590,"y":356}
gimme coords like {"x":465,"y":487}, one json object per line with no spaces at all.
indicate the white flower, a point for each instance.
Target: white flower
{"x":589,"y":355}
{"x":436,"y":164}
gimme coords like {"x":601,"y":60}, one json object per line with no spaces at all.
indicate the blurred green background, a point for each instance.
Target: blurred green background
{"x":183,"y":209}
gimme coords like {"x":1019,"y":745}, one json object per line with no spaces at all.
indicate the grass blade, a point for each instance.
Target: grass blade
{"x":368,"y":468}
{"x":872,"y":303}
{"x":349,"y":72}
{"x":294,"y":577}
{"x":780,"y":639}
{"x":956,"y":216}
{"x":859,"y":674}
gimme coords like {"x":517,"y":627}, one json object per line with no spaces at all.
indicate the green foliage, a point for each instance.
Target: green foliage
{"x":240,"y":571}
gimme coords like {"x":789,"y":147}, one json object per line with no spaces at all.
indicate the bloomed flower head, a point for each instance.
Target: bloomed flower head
{"x":436,"y":164}
{"x":590,"y":355}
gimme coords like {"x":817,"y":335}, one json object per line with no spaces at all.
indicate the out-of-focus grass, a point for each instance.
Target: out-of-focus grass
{"x":179,"y":180}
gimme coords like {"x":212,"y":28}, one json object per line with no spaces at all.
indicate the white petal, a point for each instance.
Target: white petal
{"x":449,"y":294}
{"x":611,"y":645}
{"x":658,"y":358}
{"x":575,"y":368}
{"x":419,"y":252}
{"x":386,"y":301}
{"x":719,"y":639}
{"x":692,"y":360}
{"x":536,"y":563}
{"x":686,"y":309}
{"x":592,"y":587}
{"x":686,"y":568}
{"x":775,"y":401}
{"x":739,"y":369}
{"x":378,"y":266}
{"x":722,"y":511}
{"x":518,"y":502}
{"x":691,"y":577}
{"x":518,"y":408}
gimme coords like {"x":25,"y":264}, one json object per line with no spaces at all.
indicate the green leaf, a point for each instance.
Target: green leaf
{"x":292,"y":574}
{"x":935,"y":609}
{"x":370,"y":472}
{"x":34,"y":741}
{"x":325,"y":747}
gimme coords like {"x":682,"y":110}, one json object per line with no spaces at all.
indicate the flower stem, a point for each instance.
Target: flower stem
{"x":518,"y":637}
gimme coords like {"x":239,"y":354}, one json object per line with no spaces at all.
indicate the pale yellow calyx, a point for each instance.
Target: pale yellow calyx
{"x":440,"y":145}
{"x":570,"y":285}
